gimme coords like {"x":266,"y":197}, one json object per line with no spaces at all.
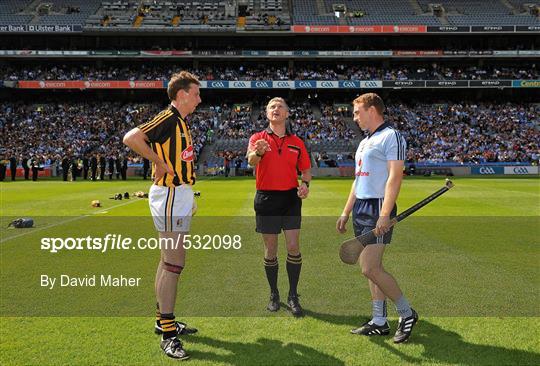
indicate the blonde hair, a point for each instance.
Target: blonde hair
{"x":371,"y":100}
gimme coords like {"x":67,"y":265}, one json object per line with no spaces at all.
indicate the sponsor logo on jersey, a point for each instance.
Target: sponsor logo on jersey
{"x":187,"y":154}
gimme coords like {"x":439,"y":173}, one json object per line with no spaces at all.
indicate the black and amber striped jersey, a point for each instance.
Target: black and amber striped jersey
{"x":170,"y":139}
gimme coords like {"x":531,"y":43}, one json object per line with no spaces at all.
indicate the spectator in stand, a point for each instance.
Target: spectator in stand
{"x":444,"y":132}
{"x":163,"y":71}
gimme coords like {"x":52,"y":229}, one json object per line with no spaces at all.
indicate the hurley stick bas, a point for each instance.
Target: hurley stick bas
{"x":350,"y":250}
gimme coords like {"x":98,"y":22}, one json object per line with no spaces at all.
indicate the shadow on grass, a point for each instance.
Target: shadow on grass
{"x":441,"y":345}
{"x":263,"y":352}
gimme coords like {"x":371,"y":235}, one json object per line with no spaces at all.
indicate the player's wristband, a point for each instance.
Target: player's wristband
{"x":306,"y":183}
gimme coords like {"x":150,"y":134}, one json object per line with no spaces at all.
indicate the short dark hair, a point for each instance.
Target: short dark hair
{"x":371,"y":100}
{"x":181,"y":81}
{"x":278,"y":99}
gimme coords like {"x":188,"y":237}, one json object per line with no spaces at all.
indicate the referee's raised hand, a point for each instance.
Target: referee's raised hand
{"x":261,"y":146}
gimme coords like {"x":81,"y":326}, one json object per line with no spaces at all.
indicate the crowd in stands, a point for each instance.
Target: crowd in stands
{"x":236,"y":123}
{"x":53,"y":129}
{"x":269,"y":19}
{"x":432,"y":71}
{"x":227,"y":162}
{"x":462,"y":133}
{"x":331,"y":126}
{"x":458,"y":132}
{"x":469,"y":133}
{"x":51,"y":132}
{"x":163,"y":71}
{"x":183,"y":12}
{"x":323,"y":159}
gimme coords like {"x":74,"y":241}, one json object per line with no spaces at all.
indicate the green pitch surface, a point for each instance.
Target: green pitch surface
{"x":469,"y":263}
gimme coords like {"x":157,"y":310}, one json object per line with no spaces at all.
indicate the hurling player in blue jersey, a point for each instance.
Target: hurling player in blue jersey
{"x":379,"y":171}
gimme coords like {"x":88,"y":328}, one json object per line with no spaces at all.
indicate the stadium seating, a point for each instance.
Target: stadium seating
{"x":491,"y":20}
{"x":375,"y":12}
{"x":458,"y":133}
{"x":163,"y":71}
{"x":220,"y":15}
{"x":268,"y":15}
{"x":482,"y":13}
{"x":14,"y":19}
{"x":13,"y":6}
{"x":164,"y":14}
{"x":380,"y":12}
{"x":305,"y":13}
{"x":519,"y":5}
{"x":65,"y":12}
{"x":9,"y":12}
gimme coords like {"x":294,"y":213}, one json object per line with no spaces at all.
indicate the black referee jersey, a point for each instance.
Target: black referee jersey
{"x":170,"y":139}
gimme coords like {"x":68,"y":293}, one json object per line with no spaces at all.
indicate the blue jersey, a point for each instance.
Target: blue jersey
{"x":372,"y":158}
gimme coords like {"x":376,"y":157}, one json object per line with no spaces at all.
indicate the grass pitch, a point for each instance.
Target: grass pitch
{"x":468,"y":262}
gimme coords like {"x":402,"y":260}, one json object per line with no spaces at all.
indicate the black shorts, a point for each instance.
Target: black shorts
{"x":365,"y":216}
{"x":277,"y":210}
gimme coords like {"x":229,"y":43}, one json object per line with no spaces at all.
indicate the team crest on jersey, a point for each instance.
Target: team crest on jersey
{"x":187,"y":154}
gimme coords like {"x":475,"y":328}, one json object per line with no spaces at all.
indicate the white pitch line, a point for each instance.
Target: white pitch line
{"x":70,"y":219}
{"x":66,"y":221}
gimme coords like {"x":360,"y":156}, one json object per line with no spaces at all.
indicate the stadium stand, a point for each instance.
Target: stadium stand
{"x":469,"y":132}
{"x":446,"y":132}
{"x":268,"y":15}
{"x":365,"y":12}
{"x":416,"y":71}
{"x":222,"y":15}
{"x":305,"y":13}
{"x":184,"y":15}
{"x":9,"y":12}
{"x":67,"y":12}
{"x":482,"y":13}
{"x":436,"y":133}
{"x":386,"y":12}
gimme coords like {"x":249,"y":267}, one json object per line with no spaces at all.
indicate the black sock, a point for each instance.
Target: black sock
{"x":158,"y":314}
{"x":271,"y":268}
{"x":294,"y":265}
{"x":168,"y":325}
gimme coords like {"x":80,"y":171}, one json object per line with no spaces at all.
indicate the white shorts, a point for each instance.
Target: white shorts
{"x":171,"y":207}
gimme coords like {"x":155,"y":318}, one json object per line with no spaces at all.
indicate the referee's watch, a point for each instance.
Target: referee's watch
{"x":306,"y":183}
